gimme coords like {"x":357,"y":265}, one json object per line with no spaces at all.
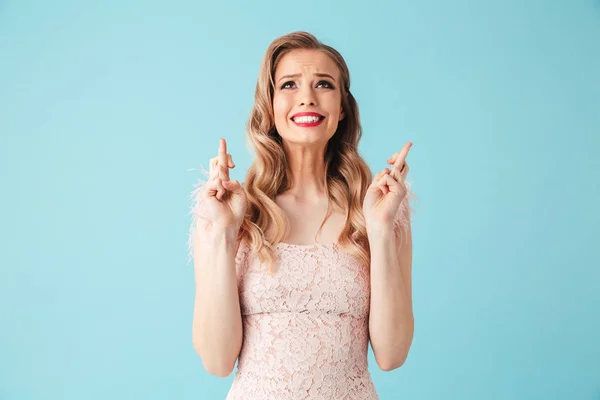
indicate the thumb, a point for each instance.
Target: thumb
{"x":233,"y":185}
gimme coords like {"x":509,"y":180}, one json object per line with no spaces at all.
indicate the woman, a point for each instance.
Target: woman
{"x":336,"y":243}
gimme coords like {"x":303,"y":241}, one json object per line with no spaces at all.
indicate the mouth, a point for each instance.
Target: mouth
{"x":307,"y":119}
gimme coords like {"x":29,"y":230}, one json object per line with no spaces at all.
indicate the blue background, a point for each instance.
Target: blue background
{"x":106,"y":106}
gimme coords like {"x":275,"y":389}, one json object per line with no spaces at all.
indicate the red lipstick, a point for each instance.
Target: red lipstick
{"x":308,"y":114}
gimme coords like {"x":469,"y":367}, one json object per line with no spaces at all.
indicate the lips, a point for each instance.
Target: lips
{"x":307,"y":114}
{"x":308,"y":124}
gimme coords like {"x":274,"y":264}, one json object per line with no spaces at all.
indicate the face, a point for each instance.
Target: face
{"x":307,"y":81}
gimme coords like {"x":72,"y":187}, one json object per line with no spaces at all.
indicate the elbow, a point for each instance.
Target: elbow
{"x":220,"y":372}
{"x":218,"y":368}
{"x":394,"y":360}
{"x":396,"y":356}
{"x":391,"y":364}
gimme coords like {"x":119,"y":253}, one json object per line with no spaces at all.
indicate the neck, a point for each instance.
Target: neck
{"x":307,"y":176}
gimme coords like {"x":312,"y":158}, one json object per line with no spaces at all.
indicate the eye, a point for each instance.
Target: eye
{"x":329,"y":85}
{"x":325,"y":84}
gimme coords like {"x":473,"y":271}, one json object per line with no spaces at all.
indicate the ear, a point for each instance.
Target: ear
{"x":342,"y":115}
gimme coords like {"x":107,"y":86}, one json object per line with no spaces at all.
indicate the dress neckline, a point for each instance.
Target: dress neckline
{"x":307,"y":246}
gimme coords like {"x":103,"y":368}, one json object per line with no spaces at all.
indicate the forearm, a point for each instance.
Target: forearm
{"x":391,"y":322}
{"x":217,"y":325}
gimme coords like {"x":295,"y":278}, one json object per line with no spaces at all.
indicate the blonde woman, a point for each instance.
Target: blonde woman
{"x":308,"y":260}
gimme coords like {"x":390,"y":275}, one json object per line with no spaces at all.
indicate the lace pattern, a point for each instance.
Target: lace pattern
{"x":306,"y":328}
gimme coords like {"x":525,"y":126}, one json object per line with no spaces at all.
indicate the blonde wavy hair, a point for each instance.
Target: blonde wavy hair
{"x":347,"y":175}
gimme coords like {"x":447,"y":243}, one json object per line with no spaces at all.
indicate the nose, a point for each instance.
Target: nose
{"x":307,"y":96}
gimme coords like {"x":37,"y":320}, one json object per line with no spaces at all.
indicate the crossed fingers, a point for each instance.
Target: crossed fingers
{"x":219,"y":169}
{"x":398,"y":160}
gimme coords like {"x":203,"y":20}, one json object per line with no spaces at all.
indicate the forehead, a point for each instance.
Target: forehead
{"x":306,"y":61}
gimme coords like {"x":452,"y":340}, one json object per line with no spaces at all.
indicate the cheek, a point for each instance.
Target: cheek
{"x":280,"y":107}
{"x":334,"y":104}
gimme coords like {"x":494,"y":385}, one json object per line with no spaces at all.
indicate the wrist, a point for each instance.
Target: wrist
{"x":379,"y":230}
{"x":220,"y":234}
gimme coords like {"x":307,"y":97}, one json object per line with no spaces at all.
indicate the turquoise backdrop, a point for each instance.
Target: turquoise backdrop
{"x":107,"y":110}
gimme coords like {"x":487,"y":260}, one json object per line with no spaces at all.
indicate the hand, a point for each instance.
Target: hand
{"x":223,"y":201}
{"x":387,"y":191}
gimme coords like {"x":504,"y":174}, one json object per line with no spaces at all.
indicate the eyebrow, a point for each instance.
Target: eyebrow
{"x":321,"y":75}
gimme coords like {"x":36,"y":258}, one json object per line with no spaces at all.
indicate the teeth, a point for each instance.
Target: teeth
{"x":306,"y":119}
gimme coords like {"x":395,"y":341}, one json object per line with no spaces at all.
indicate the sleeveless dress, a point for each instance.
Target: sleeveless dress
{"x":306,"y":328}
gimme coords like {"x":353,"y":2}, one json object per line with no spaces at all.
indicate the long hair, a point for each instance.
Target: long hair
{"x":347,"y":175}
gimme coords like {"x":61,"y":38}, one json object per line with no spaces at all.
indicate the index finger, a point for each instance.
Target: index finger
{"x":223,"y":153}
{"x":401,"y":157}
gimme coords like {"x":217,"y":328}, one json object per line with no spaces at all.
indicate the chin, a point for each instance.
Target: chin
{"x":308,"y":136}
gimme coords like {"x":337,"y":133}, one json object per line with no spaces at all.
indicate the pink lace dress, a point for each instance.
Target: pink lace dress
{"x":305,"y":328}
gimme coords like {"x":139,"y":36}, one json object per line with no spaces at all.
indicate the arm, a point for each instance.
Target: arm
{"x":391,"y":320}
{"x":217,"y":326}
